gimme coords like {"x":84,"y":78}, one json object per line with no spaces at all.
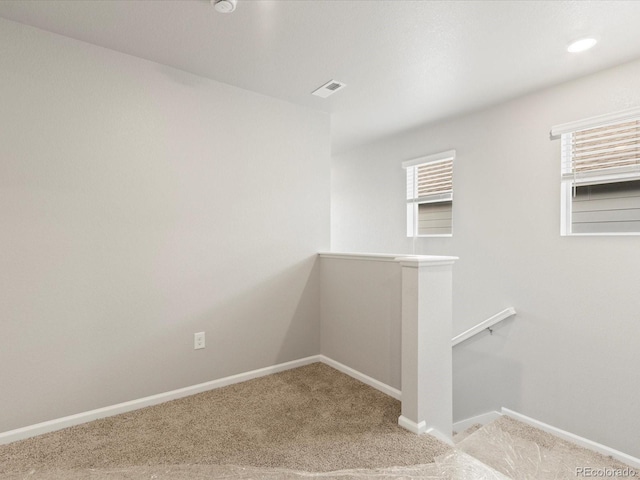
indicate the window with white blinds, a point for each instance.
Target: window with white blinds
{"x":601,"y":175}
{"x":430,"y":195}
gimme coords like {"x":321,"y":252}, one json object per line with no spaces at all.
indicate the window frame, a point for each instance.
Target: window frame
{"x":569,"y":179}
{"x":413,"y":201}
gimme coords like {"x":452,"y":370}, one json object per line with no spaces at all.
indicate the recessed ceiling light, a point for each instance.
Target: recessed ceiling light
{"x":581,"y":45}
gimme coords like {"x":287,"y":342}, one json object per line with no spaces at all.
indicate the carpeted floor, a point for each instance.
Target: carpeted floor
{"x":312,"y":418}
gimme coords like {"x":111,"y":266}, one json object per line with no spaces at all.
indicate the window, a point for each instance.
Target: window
{"x":601,"y":175}
{"x":430,"y":195}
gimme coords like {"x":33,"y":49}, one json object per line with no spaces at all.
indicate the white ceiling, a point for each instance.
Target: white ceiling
{"x":405,"y":63}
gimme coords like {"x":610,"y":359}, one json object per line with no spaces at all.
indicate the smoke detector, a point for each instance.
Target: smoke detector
{"x":224,"y":6}
{"x":328,"y":88}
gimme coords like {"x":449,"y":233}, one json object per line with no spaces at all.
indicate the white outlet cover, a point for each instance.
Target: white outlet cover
{"x":198,"y":340}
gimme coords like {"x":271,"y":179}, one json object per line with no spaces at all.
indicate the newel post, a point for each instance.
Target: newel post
{"x":427,"y":383}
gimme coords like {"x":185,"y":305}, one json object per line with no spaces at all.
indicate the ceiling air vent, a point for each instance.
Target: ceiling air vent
{"x":329,"y":88}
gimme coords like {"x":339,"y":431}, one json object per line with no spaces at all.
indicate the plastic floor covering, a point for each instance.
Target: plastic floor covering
{"x":452,"y":466}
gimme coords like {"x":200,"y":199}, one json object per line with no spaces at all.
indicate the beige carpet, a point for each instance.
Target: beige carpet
{"x":312,"y":418}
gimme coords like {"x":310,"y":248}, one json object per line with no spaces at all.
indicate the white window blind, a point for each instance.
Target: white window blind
{"x":602,"y":154}
{"x":433,"y":181}
{"x":601,"y":175}
{"x":430,"y":194}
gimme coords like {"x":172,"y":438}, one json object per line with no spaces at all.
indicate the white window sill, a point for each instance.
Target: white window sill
{"x":442,"y":235}
{"x":603,"y":234}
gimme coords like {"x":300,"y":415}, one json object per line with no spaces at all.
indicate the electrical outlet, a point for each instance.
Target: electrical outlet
{"x":198,"y":340}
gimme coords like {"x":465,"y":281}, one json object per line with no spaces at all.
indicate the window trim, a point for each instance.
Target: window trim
{"x":449,"y":154}
{"x":569,"y":179}
{"x":412,"y":203}
{"x":592,"y":122}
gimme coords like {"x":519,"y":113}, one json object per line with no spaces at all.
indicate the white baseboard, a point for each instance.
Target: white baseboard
{"x":420,"y":428}
{"x":482,"y":419}
{"x":79,"y":418}
{"x":413,"y":427}
{"x":84,"y":417}
{"x":434,"y":432}
{"x":372,"y":382}
{"x":570,"y":437}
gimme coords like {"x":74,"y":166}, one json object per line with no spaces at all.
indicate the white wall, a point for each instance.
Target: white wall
{"x":570,"y":358}
{"x":361,"y":315}
{"x":140,"y":204}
